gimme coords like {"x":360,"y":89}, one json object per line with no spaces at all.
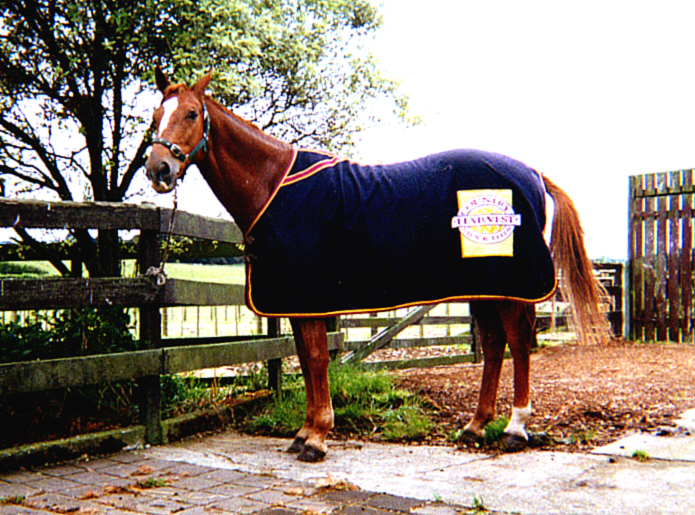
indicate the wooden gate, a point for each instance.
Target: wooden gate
{"x":660,"y":260}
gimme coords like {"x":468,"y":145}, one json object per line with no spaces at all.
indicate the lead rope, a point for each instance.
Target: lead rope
{"x":158,"y":272}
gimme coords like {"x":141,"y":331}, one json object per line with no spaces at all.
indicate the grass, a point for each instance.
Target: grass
{"x":479,"y":505}
{"x":12,"y":499}
{"x":152,"y":482}
{"x":495,"y":429}
{"x":641,"y":456}
{"x":364,"y":402}
{"x":582,"y":436}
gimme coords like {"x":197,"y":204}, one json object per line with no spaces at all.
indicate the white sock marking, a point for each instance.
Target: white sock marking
{"x":169,"y":107}
{"x":517,"y":424}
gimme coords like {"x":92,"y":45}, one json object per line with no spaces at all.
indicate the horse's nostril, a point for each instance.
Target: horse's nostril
{"x":163,"y":171}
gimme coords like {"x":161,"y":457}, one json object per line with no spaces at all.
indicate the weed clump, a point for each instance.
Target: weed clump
{"x":364,"y":403}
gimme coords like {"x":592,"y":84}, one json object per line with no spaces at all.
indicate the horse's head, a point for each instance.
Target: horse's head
{"x":183,"y":126}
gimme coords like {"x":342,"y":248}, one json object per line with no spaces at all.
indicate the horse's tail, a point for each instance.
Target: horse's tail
{"x":578,"y":284}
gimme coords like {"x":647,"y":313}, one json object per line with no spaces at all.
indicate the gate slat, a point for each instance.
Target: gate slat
{"x":673,"y":296}
{"x":649,"y":262}
{"x":661,"y":257}
{"x":636,"y":303}
{"x":686,"y":264}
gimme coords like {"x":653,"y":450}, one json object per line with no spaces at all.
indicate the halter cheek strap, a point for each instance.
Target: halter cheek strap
{"x":202,"y":144}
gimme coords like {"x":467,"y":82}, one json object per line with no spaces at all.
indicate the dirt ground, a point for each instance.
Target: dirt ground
{"x":583,"y":396}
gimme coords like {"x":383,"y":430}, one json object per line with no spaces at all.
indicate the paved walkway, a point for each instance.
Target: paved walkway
{"x":229,"y":474}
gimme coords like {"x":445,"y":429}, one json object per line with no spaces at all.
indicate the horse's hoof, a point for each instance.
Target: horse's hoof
{"x":311,"y":454}
{"x":469,"y":439}
{"x":536,"y":440}
{"x":297,"y":445}
{"x":513,"y":443}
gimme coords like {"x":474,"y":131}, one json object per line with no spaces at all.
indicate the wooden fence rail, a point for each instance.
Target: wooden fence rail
{"x":143,"y":292}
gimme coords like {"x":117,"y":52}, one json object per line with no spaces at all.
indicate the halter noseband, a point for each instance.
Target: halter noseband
{"x":202,"y":144}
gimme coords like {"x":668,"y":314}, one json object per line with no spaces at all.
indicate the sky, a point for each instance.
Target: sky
{"x":587,"y":93}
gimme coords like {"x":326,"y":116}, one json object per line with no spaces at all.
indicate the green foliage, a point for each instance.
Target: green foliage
{"x":74,"y":77}
{"x":642,"y":456}
{"x":582,"y":436}
{"x":152,"y":482}
{"x":12,"y":499}
{"x":495,"y":429}
{"x":363,"y":402}
{"x":479,"y":505}
{"x":76,"y":86}
{"x":185,"y":394}
{"x":76,"y":332}
{"x":21,"y":270}
{"x":406,"y":423}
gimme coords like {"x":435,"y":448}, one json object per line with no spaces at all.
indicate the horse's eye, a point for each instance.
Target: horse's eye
{"x":192,"y":115}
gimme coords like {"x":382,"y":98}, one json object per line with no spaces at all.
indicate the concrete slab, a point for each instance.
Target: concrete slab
{"x":676,"y":448}
{"x":524,"y":483}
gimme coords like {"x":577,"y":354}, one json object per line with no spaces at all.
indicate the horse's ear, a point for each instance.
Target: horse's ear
{"x":202,"y":84}
{"x":160,"y":79}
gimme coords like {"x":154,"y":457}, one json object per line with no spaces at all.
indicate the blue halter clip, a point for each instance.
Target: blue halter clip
{"x":202,"y":144}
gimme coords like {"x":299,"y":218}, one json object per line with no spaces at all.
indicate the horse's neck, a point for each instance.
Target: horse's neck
{"x":243,"y":165}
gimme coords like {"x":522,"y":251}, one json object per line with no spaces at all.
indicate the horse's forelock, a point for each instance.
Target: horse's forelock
{"x":174,"y":89}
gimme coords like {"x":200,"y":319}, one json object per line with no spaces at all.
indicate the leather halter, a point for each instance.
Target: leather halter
{"x":202,"y":144}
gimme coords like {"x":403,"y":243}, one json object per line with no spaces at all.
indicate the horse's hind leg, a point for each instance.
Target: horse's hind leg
{"x":519,"y":321}
{"x":312,"y":348}
{"x":493,"y":343}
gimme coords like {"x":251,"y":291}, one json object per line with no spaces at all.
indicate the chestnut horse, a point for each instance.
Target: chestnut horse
{"x":244,"y":167}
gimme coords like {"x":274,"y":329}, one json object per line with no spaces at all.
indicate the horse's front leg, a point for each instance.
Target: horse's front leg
{"x":312,"y":348}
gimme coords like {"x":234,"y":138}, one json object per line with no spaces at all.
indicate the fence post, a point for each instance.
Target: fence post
{"x":150,"y":393}
{"x":274,"y":365}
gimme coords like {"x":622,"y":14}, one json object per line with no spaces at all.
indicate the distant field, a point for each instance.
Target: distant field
{"x":228,"y":274}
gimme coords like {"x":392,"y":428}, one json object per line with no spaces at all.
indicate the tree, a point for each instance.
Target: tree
{"x":75,"y":75}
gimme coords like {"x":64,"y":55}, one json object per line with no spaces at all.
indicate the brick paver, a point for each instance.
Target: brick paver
{"x":128,"y":484}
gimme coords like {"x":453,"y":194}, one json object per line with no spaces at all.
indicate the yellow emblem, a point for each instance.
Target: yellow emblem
{"x":486,"y":221}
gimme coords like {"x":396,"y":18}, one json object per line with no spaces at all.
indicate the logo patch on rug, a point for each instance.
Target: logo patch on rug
{"x":486,"y":221}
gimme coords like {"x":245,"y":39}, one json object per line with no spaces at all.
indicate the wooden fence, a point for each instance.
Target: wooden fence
{"x":660,"y":257}
{"x":157,"y":357}
{"x":160,"y":356}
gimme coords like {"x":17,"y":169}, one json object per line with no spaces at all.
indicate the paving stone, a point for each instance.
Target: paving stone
{"x":278,"y":511}
{"x":273,"y":497}
{"x":240,"y":505}
{"x":394,"y":503}
{"x":196,"y":483}
{"x":234,"y":490}
{"x":55,"y":502}
{"x":313,"y":505}
{"x":22,"y":510}
{"x":228,"y":476}
{"x":64,"y":471}
{"x":98,"y":480}
{"x":22,"y":478}
{"x":347,"y":496}
{"x":54,"y":484}
{"x":437,"y":508}
{"x":360,"y":510}
{"x":14,"y":489}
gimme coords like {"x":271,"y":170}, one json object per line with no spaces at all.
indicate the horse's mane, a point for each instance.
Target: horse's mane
{"x":209,"y":100}
{"x":175,"y":89}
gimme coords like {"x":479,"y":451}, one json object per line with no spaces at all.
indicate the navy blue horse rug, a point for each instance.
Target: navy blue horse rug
{"x":338,"y":237}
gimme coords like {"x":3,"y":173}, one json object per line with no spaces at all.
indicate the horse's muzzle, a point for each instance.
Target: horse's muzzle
{"x":163,"y":171}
